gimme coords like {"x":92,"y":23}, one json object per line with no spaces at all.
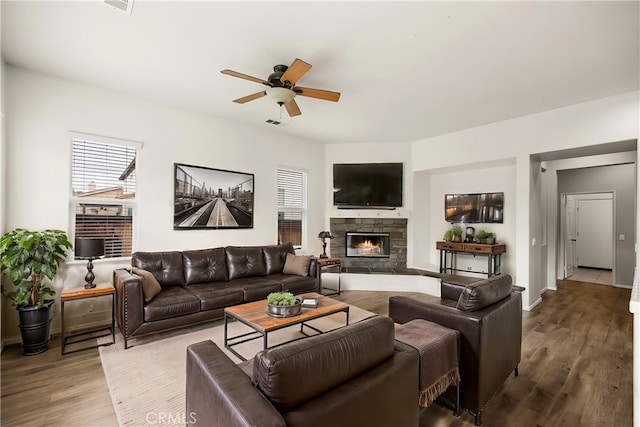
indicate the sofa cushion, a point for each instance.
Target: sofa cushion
{"x":245,"y":261}
{"x":217,"y":295}
{"x":205,"y":266}
{"x":150,"y":286}
{"x":171,"y":302}
{"x":484,"y":293}
{"x":256,"y":288}
{"x":294,"y":373}
{"x":295,"y":284}
{"x":275,"y":257}
{"x":297,"y":264}
{"x":165,"y":266}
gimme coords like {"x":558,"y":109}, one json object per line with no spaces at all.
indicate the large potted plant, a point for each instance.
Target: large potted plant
{"x":27,"y":257}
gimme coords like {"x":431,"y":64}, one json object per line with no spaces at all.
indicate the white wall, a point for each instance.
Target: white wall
{"x":601,"y":121}
{"x":477,"y":178}
{"x":42,"y":110}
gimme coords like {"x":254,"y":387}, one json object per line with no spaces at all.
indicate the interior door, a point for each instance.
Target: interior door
{"x":595,"y":233}
{"x":570,"y":236}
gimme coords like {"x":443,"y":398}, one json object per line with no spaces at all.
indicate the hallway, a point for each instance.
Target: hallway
{"x":592,"y":275}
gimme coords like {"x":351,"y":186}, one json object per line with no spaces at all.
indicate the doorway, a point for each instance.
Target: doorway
{"x":588,"y":237}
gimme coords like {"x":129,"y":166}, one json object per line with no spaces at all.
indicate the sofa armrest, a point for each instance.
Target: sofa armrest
{"x":219,"y":393}
{"x":449,"y":290}
{"x":129,"y":301}
{"x":483,"y":331}
{"x":313,"y":268}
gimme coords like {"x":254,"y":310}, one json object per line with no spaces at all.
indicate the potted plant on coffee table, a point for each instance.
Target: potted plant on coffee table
{"x":283,"y":304}
{"x":27,"y":257}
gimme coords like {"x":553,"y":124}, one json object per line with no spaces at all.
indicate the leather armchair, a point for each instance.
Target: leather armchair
{"x":353,"y":376}
{"x":488,"y":315}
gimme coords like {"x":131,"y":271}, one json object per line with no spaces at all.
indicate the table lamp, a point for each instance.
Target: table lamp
{"x":89,"y":249}
{"x":323,"y":236}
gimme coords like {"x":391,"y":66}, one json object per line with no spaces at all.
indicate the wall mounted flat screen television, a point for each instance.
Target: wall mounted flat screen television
{"x":367,"y":185}
{"x":472,"y":208}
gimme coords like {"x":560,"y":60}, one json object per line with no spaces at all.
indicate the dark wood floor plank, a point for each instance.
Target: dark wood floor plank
{"x":576,"y":369}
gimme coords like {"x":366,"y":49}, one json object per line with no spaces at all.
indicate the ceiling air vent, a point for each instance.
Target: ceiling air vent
{"x":122,"y":5}
{"x":276,"y":122}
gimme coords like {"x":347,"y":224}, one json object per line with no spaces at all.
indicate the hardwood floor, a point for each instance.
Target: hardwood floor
{"x":576,"y":369}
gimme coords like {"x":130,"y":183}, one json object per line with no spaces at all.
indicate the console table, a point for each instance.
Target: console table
{"x":449,"y":252}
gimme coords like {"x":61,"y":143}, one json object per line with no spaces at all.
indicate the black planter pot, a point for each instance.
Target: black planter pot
{"x":35,"y":326}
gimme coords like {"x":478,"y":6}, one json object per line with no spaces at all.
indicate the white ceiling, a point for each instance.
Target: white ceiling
{"x":406,"y":70}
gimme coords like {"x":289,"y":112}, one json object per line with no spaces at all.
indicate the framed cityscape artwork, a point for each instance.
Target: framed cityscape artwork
{"x":206,"y":198}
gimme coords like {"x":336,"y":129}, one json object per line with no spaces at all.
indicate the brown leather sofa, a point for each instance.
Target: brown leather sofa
{"x":196,"y":285}
{"x":353,"y":376}
{"x":488,"y":314}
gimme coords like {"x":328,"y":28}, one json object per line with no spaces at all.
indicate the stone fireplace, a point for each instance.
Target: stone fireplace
{"x":381,"y":242}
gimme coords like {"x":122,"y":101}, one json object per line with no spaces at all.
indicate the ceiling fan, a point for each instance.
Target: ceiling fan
{"x":282,"y":86}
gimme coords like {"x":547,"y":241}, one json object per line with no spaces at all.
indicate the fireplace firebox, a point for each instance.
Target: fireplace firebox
{"x":367,"y":245}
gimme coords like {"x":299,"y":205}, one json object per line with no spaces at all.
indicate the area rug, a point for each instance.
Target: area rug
{"x":147,"y":381}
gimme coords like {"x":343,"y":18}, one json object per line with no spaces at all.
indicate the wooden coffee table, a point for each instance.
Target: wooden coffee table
{"x":254,"y":315}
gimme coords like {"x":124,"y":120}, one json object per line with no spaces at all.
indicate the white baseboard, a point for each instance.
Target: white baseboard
{"x":532,"y":306}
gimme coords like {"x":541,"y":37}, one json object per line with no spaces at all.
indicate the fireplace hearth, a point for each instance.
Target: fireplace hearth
{"x":367,"y":245}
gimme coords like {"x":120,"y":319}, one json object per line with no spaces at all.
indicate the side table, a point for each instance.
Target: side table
{"x":329,"y":265}
{"x":80,"y":293}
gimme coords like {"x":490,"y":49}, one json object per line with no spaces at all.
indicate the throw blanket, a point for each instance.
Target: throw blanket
{"x":438,"y":350}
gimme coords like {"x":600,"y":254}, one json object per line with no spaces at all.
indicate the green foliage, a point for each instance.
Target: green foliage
{"x":481,"y":234}
{"x":27,"y":257}
{"x":457,"y":230}
{"x":448,"y":235}
{"x":282,"y":298}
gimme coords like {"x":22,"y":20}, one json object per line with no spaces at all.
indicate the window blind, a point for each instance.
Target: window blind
{"x":106,"y":170}
{"x":104,"y":187}
{"x":291,"y":206}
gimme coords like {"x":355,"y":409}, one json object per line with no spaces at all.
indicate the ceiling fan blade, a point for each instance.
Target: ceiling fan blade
{"x":292,"y":108}
{"x":296,"y":70}
{"x":325,"y":95}
{"x":250,"y":97}
{"x":244,"y":76}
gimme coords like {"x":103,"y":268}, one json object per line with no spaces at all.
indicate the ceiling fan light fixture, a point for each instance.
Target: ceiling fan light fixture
{"x":281,"y":95}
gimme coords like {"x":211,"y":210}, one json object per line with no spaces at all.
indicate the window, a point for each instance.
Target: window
{"x":292,"y":203}
{"x":103,"y":181}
